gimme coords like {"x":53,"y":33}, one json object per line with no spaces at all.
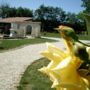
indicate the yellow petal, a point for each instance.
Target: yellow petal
{"x":55,"y":58}
{"x":59,"y":88}
{"x":56,"y":50}
{"x":83,"y":86}
{"x":88,"y":50}
{"x":68,"y":42}
{"x":51,"y":56}
{"x":44,"y":70}
{"x":68,"y":74}
{"x":77,"y":61}
{"x":69,"y":46}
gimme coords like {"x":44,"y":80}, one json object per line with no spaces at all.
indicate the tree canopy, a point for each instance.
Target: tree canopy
{"x":86,"y":5}
{"x":49,"y":13}
{"x":7,"y":11}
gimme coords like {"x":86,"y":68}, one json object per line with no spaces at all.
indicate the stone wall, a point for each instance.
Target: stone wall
{"x":21,"y":28}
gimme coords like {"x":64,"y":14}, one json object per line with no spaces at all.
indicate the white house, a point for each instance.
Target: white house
{"x":20,"y":26}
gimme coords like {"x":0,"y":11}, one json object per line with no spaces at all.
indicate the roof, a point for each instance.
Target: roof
{"x":15,"y":19}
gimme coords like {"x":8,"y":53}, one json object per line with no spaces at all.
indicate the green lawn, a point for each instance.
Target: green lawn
{"x":83,"y":37}
{"x":9,"y":44}
{"x":57,"y":35}
{"x":47,"y":34}
{"x":32,"y":79}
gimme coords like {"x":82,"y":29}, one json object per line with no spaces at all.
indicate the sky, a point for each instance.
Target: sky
{"x":73,"y":6}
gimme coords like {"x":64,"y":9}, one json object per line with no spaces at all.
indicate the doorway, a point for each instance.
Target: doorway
{"x":28,"y":29}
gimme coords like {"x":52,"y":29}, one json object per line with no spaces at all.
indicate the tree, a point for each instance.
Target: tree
{"x":28,"y":12}
{"x":23,"y":12}
{"x":12,"y":12}
{"x":71,"y":18}
{"x":49,"y":16}
{"x":4,"y":10}
{"x":49,"y":13}
{"x":81,"y":24}
{"x":86,"y":5}
{"x":75,"y":21}
{"x":7,"y":11}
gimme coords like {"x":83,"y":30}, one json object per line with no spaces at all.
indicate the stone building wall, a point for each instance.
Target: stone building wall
{"x":20,"y":28}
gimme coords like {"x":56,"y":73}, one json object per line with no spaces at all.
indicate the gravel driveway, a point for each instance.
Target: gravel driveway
{"x":14,"y":62}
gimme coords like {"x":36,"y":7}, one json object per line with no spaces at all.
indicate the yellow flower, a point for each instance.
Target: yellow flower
{"x":62,"y":68}
{"x":54,"y":54}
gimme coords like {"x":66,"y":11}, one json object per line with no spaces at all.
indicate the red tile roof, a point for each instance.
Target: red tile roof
{"x":15,"y":19}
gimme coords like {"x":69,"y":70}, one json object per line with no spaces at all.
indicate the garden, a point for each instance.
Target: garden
{"x":57,"y":68}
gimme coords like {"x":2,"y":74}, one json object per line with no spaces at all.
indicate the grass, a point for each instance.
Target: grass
{"x":83,"y":37}
{"x":47,"y":34}
{"x":9,"y":44}
{"x":32,"y":79}
{"x":57,"y":35}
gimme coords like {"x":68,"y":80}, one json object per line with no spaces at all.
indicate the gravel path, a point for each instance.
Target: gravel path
{"x":14,"y":62}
